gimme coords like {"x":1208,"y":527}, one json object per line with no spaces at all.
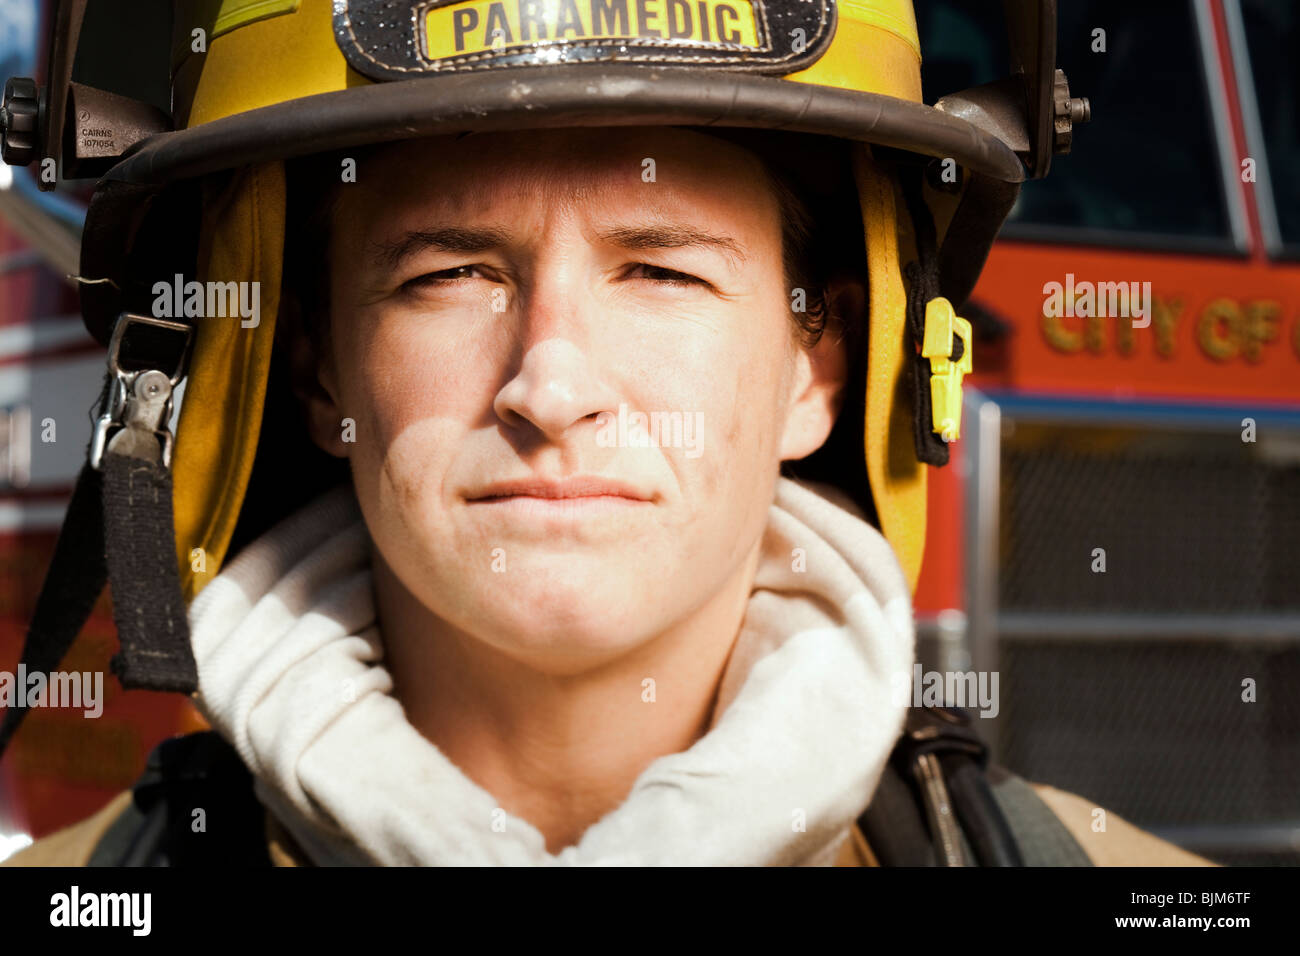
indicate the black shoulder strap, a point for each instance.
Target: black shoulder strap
{"x":194,"y":806}
{"x":939,"y":803}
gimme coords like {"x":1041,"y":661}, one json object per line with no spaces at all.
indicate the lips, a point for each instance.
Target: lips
{"x":558,"y":489}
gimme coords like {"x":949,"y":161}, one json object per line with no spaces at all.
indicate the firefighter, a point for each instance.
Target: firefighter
{"x":549,"y":486}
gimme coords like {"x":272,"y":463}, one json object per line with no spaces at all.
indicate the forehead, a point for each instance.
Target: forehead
{"x":608,"y":172}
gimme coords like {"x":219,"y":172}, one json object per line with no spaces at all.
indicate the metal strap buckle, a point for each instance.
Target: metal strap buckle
{"x":139,"y":400}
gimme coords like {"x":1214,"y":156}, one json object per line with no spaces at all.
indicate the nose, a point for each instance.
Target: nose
{"x":555,"y":388}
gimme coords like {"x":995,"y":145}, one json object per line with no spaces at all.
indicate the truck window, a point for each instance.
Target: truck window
{"x":1147,"y":171}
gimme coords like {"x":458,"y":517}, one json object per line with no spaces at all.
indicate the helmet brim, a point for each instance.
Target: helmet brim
{"x":532,"y":98}
{"x":542,"y":97}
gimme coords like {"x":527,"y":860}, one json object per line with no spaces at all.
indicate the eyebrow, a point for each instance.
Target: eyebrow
{"x":674,"y":237}
{"x":464,"y":240}
{"x":446,"y":239}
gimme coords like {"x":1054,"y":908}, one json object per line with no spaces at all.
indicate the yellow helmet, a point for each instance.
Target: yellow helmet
{"x":252,"y":83}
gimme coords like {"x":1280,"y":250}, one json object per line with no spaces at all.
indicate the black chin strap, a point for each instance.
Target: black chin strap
{"x":148,"y":606}
{"x":922,"y":286}
{"x":119,"y":528}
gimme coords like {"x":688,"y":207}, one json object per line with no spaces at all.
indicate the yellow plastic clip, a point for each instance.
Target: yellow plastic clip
{"x":941,"y":324}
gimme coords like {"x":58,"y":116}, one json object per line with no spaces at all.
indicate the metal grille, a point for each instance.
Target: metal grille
{"x":1125,"y":685}
{"x":1189,"y":522}
{"x":1157,"y":731}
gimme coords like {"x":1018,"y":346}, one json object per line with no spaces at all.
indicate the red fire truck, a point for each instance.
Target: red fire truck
{"x":1118,"y":536}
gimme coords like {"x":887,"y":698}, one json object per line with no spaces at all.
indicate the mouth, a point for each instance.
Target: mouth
{"x":576,"y":495}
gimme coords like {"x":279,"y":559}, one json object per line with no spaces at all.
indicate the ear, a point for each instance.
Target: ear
{"x":314,"y":385}
{"x":821,"y":372}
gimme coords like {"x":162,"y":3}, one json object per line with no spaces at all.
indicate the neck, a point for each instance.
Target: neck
{"x":558,"y":750}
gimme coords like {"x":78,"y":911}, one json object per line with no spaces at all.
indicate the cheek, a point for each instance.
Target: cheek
{"x":733,"y":379}
{"x":729,"y":487}
{"x":403,"y":368}
{"x":413,"y":394}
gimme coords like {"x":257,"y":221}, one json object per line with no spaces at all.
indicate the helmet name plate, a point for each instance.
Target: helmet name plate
{"x":768,"y":36}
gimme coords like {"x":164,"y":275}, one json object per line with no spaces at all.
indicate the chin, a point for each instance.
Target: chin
{"x":565,"y":612}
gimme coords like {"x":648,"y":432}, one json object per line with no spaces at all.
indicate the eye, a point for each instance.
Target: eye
{"x":441,"y":276}
{"x":662,"y":276}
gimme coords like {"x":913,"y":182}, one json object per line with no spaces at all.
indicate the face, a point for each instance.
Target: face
{"x":570,"y":362}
